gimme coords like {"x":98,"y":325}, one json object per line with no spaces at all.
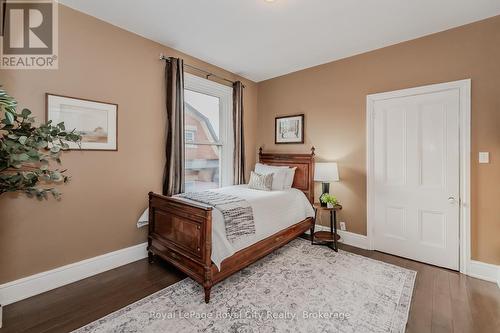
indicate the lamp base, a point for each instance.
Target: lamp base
{"x":325,"y":188}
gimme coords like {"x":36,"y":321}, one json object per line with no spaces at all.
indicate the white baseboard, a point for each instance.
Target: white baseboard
{"x":17,"y":290}
{"x":476,"y":269}
{"x":347,"y":237}
{"x":484,"y":271}
{"x":353,"y":239}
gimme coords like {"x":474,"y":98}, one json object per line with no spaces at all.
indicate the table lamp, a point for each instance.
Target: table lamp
{"x":325,"y":173}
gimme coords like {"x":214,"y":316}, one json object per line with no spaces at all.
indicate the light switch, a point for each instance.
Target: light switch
{"x":484,"y":157}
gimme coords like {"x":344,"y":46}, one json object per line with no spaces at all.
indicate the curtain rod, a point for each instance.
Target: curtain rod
{"x":207,"y":74}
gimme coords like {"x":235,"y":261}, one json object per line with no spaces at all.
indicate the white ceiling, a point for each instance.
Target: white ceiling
{"x":260,"y":40}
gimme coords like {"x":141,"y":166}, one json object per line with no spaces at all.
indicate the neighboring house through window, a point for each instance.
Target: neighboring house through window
{"x":208,"y":134}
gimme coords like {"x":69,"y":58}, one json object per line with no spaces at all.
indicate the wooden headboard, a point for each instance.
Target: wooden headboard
{"x":304,"y":174}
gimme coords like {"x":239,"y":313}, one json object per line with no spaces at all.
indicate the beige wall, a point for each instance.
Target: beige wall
{"x":109,"y":190}
{"x":333,"y":95}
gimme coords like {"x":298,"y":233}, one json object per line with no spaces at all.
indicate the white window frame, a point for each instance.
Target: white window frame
{"x":192,"y":130}
{"x":226,"y":134}
{"x":192,"y":133}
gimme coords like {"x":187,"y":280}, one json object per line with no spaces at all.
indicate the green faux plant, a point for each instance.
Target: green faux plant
{"x":329,"y":199}
{"x":27,"y":150}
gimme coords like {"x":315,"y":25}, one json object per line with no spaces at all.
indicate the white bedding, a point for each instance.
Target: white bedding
{"x":272,"y":210}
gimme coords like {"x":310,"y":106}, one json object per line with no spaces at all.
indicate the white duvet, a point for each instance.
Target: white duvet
{"x":272,"y":211}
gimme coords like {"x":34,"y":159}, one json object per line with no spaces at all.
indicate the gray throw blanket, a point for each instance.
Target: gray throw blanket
{"x":237,"y":212}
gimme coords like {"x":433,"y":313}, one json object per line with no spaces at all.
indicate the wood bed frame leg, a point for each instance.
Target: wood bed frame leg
{"x":151,"y":257}
{"x":207,"y":284}
{"x":207,"y":294}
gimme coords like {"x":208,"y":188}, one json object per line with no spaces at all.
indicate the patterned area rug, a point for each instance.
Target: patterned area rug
{"x":298,"y":288}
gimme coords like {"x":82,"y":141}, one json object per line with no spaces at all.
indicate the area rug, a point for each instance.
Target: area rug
{"x":298,"y":288}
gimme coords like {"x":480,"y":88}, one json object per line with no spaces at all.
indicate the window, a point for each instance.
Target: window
{"x":208,"y":134}
{"x":189,"y":136}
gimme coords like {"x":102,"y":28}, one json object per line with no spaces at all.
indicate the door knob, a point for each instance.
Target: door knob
{"x":451,"y":200}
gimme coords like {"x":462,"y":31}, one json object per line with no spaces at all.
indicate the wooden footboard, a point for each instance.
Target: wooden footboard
{"x":181,"y":233}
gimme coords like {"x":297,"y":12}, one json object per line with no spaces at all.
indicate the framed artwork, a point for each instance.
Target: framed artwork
{"x":289,"y":129}
{"x":96,"y":122}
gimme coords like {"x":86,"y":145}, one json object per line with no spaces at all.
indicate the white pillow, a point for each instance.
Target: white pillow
{"x":279,"y":175}
{"x":290,"y":173}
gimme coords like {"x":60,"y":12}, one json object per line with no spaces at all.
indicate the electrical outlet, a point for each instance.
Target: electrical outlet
{"x":342,"y":226}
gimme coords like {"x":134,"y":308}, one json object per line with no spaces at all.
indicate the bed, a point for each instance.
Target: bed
{"x":190,"y":236}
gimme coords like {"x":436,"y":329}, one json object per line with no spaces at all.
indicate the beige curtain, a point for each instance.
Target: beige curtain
{"x":173,"y":177}
{"x":239,"y":143}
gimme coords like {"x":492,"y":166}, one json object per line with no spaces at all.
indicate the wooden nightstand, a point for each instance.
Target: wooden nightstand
{"x":324,"y":237}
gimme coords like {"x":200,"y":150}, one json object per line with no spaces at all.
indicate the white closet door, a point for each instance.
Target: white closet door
{"x":416,"y":177}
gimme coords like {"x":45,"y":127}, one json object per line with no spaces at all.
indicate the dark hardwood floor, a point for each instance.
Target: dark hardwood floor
{"x":443,"y":300}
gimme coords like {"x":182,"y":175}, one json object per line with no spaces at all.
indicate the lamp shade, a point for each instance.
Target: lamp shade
{"x":326,"y":172}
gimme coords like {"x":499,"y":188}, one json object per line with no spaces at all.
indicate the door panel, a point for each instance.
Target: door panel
{"x":431,"y":145}
{"x":395,"y":156}
{"x":432,"y":228}
{"x":416,"y":171}
{"x":395,"y":222}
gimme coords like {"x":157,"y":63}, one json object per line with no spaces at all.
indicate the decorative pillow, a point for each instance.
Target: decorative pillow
{"x":279,"y":175}
{"x":261,"y":182}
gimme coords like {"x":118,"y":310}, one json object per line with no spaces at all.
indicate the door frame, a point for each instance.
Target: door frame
{"x":464,"y":87}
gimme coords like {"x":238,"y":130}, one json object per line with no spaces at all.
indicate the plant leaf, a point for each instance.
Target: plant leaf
{"x":9,"y":117}
{"x":25,"y":113}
